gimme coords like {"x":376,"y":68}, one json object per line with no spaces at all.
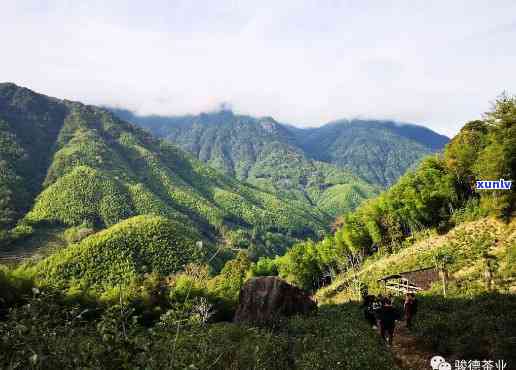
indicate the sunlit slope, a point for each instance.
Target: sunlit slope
{"x":378,"y":151}
{"x":120,"y":254}
{"x":467,"y":247}
{"x":82,"y":165}
{"x":261,"y":152}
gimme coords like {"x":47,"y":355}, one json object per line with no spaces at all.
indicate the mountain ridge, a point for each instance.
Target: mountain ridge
{"x":380,"y":151}
{"x":264,"y":153}
{"x":73,"y":164}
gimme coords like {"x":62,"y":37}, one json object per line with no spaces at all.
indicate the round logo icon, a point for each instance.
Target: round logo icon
{"x":436,"y":361}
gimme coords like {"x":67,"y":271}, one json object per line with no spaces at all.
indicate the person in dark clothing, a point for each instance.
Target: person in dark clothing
{"x":377,"y":307}
{"x":368,"y":310}
{"x":410,"y":308}
{"x":388,"y":316}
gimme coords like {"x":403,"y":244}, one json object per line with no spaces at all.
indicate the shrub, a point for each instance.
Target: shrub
{"x":21,"y":231}
{"x":75,"y":234}
{"x":474,"y":327}
{"x":264,"y":267}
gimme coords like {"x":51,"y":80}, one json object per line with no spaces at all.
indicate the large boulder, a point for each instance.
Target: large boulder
{"x":264,"y":299}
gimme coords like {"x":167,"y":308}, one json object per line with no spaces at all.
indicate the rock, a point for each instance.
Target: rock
{"x":263,"y":299}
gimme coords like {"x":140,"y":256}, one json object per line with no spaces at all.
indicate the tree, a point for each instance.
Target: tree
{"x":442,"y":261}
{"x":300,"y":265}
{"x":232,"y":277}
{"x":462,"y":152}
{"x":355,"y":235}
{"x":498,"y":159}
{"x":264,"y":267}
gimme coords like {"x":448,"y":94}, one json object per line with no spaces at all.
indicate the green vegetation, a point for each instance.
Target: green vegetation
{"x":378,"y":151}
{"x":441,"y":191}
{"x":118,"y":255}
{"x":24,"y":160}
{"x":106,"y":337}
{"x":406,"y":228}
{"x":459,"y":327}
{"x":474,"y":320}
{"x":466,"y":247}
{"x":82,"y":195}
{"x":263,"y":153}
{"x":256,"y":150}
{"x":149,"y":248}
{"x":432,"y":217}
{"x":68,"y":164}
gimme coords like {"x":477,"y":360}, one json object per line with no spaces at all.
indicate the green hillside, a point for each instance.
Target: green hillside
{"x":474,"y":319}
{"x":65,"y":163}
{"x":468,"y":247}
{"x":378,"y":151}
{"x":24,"y":160}
{"x":433,"y":217}
{"x":263,"y":153}
{"x":288,"y":159}
{"x":120,"y":255}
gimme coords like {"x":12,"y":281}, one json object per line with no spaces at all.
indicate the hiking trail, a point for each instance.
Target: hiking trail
{"x":407,"y":351}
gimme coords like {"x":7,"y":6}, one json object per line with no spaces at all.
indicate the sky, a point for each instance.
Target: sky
{"x":434,"y":63}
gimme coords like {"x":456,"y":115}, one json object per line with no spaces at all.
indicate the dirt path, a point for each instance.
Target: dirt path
{"x":407,"y":352}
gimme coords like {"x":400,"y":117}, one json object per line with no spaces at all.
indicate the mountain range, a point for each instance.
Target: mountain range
{"x":291,"y":160}
{"x":66,"y":163}
{"x":248,"y":182}
{"x":148,"y":251}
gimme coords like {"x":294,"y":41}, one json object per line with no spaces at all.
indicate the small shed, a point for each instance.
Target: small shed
{"x":411,"y":281}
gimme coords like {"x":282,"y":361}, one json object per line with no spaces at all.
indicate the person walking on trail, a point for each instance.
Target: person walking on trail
{"x":388,"y":316}
{"x":368,"y":310}
{"x":377,"y":307}
{"x":410,"y":308}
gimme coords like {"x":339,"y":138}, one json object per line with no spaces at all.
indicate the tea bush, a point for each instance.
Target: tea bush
{"x":119,"y":254}
{"x":50,"y":333}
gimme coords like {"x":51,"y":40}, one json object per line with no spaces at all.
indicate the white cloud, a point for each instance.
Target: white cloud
{"x":435,"y":63}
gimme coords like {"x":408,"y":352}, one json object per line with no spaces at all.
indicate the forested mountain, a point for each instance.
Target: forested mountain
{"x":438,"y":195}
{"x":378,"y":151}
{"x":70,"y":164}
{"x":273,"y":155}
{"x":435,"y":217}
{"x":263,"y":153}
